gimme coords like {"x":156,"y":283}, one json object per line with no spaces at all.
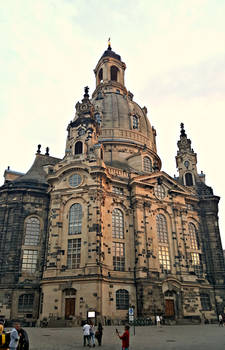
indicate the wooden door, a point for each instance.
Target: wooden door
{"x":169,"y":307}
{"x":69,"y":307}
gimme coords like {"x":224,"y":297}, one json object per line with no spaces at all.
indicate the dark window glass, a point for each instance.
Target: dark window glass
{"x":114,"y":72}
{"x":75,"y":180}
{"x":188,"y":179}
{"x":26,"y":302}
{"x":122,"y":299}
{"x":79,"y":148}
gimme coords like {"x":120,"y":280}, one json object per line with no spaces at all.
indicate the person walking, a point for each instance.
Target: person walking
{"x":220,"y":320}
{"x":86,"y":333}
{"x":14,"y":337}
{"x":125,"y":337}
{"x":92,"y":333}
{"x":23,"y":339}
{"x":98,"y":334}
{"x":157,"y":320}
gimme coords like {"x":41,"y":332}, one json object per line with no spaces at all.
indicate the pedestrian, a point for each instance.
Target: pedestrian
{"x":23,"y":339}
{"x":98,"y":334}
{"x":92,"y":333}
{"x":125,"y":337}
{"x":157,"y":320}
{"x":4,"y":337}
{"x":14,"y":337}
{"x":86,"y":333}
{"x":220,"y":320}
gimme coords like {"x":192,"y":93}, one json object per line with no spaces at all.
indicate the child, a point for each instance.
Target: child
{"x":125,"y":338}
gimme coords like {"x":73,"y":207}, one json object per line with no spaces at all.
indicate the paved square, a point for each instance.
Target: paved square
{"x":198,"y":337}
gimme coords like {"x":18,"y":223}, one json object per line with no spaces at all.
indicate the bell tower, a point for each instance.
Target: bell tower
{"x":82,"y":139}
{"x":186,"y":160}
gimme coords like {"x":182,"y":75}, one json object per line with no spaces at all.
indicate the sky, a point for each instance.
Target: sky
{"x":174,"y":51}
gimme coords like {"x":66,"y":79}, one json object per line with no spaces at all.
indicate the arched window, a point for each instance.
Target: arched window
{"x":161,"y":228}
{"x":25,"y":302}
{"x":188,"y":179}
{"x":79,"y":147}
{"x":117,"y":224}
{"x":114,"y":72}
{"x":122,"y":299}
{"x":147,"y":164}
{"x":100,"y":75}
{"x":75,"y":219}
{"x":193,"y":236}
{"x":135,"y":122}
{"x":32,"y":231}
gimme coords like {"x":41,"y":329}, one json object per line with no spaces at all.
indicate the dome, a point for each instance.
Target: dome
{"x":125,"y":128}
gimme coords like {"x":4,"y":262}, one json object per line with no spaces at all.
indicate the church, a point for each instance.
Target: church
{"x":105,"y":229}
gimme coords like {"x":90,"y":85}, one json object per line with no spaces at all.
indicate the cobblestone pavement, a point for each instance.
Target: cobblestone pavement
{"x":198,"y":337}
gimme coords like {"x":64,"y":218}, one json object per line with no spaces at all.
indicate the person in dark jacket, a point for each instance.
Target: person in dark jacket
{"x":98,"y":334}
{"x":24,"y":340}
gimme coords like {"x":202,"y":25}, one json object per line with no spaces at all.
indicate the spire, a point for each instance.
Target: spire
{"x":182,"y":132}
{"x":109,"y":45}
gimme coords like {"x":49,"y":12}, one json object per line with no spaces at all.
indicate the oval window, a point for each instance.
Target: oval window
{"x":75,"y":180}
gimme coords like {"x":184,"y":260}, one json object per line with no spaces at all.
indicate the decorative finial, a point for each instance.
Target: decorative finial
{"x":86,"y":89}
{"x":109,"y":44}
{"x":47,"y":151}
{"x":39,"y":149}
{"x":182,"y":132}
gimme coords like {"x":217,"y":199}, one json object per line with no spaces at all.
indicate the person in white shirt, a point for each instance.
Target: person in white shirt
{"x":158,"y":320}
{"x":86,"y":333}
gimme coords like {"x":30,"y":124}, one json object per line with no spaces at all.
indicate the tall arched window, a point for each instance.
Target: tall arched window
{"x":122,"y":299}
{"x":188,"y":179}
{"x":32,"y":231}
{"x":114,"y":73}
{"x":147,"y":164}
{"x":117,"y":224}
{"x":193,"y":236}
{"x":135,"y":122}
{"x":163,"y":247}
{"x":161,"y":228}
{"x":75,"y":219}
{"x":25,"y":302}
{"x":79,"y":147}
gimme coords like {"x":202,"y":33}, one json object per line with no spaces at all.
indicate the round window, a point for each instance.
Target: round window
{"x":75,"y":180}
{"x":160,"y":192}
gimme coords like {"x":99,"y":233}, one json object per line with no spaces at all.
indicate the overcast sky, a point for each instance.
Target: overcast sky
{"x":174,"y":51}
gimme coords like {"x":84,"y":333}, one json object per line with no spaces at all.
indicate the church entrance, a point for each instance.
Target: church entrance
{"x":169,"y":308}
{"x":70,"y":302}
{"x":69,"y":307}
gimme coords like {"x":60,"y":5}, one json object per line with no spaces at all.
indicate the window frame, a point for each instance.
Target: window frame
{"x":29,"y":231}
{"x":118,"y":254}
{"x":122,"y":299}
{"x":117,"y":223}
{"x":29,"y":261}
{"x":147,"y":164}
{"x":23,"y":306}
{"x":74,"y":253}
{"x":75,"y":219}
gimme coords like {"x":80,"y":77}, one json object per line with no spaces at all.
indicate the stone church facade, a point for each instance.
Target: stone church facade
{"x":104,"y":228}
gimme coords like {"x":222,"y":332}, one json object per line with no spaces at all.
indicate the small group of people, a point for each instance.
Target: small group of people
{"x":17,"y":339}
{"x":89,"y":334}
{"x":159,"y":320}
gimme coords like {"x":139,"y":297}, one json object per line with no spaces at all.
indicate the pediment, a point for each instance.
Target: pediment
{"x":152,"y":179}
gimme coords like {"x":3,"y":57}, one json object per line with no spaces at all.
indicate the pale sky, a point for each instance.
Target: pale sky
{"x":174,"y":51}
